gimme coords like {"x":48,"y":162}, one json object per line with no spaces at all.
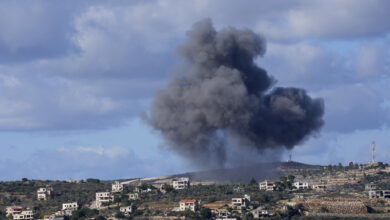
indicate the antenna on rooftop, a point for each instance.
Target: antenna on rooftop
{"x":373,"y":151}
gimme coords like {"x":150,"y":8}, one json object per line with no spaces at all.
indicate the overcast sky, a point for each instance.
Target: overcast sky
{"x":76,"y":75}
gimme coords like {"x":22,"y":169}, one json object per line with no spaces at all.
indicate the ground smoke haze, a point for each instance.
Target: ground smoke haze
{"x":224,"y":100}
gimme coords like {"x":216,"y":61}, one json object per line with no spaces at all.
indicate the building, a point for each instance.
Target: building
{"x":44,"y":193}
{"x":103,"y":197}
{"x":301,"y":185}
{"x":379,"y":194}
{"x":133,"y":196}
{"x":370,"y":186}
{"x":241,"y":203}
{"x":319,"y":187}
{"x":24,"y":215}
{"x":127,"y":210}
{"x":181,"y":183}
{"x":192,"y":205}
{"x":12,"y":210}
{"x":260,"y":212}
{"x":267,"y":186}
{"x":69,"y":208}
{"x":72,"y":181}
{"x":54,"y":217}
{"x":117,"y":187}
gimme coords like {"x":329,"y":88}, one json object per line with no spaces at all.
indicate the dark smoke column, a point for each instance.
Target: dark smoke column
{"x":224,"y":99}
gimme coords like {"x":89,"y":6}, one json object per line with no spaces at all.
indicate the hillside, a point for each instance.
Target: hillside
{"x":259,"y":171}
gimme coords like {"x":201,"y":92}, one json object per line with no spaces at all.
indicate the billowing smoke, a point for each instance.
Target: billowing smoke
{"x":224,"y":100}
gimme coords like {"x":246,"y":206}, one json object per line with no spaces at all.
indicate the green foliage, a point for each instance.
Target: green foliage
{"x":205,"y":213}
{"x":252,"y":182}
{"x":84,"y":213}
{"x":120,"y":215}
{"x":92,"y":180}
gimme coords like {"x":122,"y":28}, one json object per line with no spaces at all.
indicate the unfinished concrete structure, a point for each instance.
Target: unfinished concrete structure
{"x":181,"y":183}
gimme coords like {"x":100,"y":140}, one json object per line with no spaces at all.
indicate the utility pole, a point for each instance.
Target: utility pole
{"x":373,"y":151}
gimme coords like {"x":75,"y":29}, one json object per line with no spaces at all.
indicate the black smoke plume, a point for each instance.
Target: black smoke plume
{"x":225,"y":100}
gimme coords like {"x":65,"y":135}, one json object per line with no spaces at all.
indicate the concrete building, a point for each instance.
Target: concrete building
{"x":24,"y":215}
{"x":181,"y":183}
{"x":54,"y":217}
{"x":379,"y":194}
{"x":260,"y":212}
{"x":44,"y":193}
{"x":133,"y":196}
{"x":127,"y":210}
{"x":301,"y":185}
{"x":192,"y":205}
{"x":267,"y":185}
{"x":12,"y":210}
{"x":103,"y":197}
{"x":241,"y":203}
{"x":370,"y":186}
{"x":117,"y":187}
{"x":69,"y":208}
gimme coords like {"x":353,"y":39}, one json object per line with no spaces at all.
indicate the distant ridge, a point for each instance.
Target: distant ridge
{"x":259,"y":171}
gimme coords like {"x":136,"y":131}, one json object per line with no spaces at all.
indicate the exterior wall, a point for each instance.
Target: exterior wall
{"x":300,"y":185}
{"x":133,"y":196}
{"x":67,"y":206}
{"x":24,"y":215}
{"x":267,"y":186}
{"x":181,"y":183}
{"x":126,"y":210}
{"x":117,"y":187}
{"x":188,"y":205}
{"x":103,"y":197}
{"x":11,"y":210}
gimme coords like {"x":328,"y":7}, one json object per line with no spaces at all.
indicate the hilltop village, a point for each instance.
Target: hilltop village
{"x":352,"y":191}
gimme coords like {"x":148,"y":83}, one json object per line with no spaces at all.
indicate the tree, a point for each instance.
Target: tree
{"x":252,"y":182}
{"x":92,"y":180}
{"x":205,"y":213}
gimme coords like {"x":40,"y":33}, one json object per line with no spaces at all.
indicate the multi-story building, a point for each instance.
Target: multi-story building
{"x":379,"y":194}
{"x":267,"y":185}
{"x":192,"y":205}
{"x":69,"y":208}
{"x":127,"y":210}
{"x":241,"y":203}
{"x":181,"y":183}
{"x":12,"y":210}
{"x":117,"y":187}
{"x":103,"y":197}
{"x":301,"y":185}
{"x":44,"y":193}
{"x":24,"y":215}
{"x":133,"y":196}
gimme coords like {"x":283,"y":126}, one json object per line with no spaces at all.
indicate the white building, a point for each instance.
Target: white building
{"x":192,"y":205}
{"x":117,"y":187}
{"x":127,"y":210}
{"x":69,"y":208}
{"x":103,"y":197}
{"x":260,"y":212}
{"x":24,"y":215}
{"x":44,"y":193}
{"x":301,"y":185}
{"x":12,"y":210}
{"x":133,"y":196}
{"x":241,"y":203}
{"x":267,"y":185}
{"x":181,"y":183}
{"x":370,"y":186}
